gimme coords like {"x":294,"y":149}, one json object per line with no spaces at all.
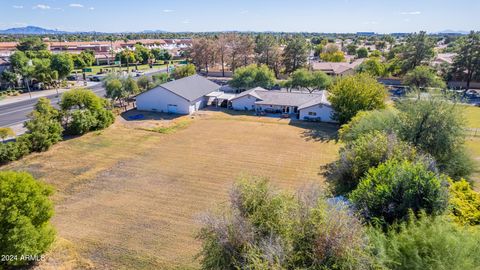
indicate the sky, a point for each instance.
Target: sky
{"x":341,"y":16}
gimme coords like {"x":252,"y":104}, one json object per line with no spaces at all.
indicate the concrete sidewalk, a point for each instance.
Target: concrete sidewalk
{"x":42,"y":93}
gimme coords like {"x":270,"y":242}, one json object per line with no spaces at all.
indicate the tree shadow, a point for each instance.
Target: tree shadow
{"x":317,"y":131}
{"x":136,"y":115}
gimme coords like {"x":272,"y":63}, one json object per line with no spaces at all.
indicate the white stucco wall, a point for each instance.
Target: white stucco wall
{"x":323,"y":111}
{"x":198,"y":104}
{"x":247,"y":101}
{"x":158,"y":100}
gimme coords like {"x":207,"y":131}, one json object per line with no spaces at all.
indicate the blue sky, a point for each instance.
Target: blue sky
{"x":382,"y":16}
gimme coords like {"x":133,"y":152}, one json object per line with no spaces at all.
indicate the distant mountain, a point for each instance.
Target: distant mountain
{"x":153,"y":31}
{"x":30,"y":30}
{"x":457,"y":32}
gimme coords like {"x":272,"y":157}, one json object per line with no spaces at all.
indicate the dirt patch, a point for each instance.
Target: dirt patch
{"x":129,"y":199}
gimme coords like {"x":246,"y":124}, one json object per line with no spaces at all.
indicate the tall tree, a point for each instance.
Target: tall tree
{"x":352,"y":94}
{"x":222,"y":51}
{"x":418,"y":48}
{"x":63,"y":64}
{"x":312,"y":81}
{"x":31,"y":44}
{"x":466,"y":64}
{"x":253,"y":76}
{"x":295,"y":54}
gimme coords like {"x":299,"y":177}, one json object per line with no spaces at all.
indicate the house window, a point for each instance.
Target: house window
{"x":312,"y":113}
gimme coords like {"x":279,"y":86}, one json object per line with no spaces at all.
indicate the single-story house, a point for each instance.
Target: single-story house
{"x":337,"y":68}
{"x":304,"y":106}
{"x":183,"y":96}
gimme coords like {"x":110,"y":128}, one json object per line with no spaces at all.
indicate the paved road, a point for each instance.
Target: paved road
{"x":16,"y":113}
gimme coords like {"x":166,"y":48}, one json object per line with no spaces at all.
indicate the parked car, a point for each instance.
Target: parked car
{"x":139,"y":73}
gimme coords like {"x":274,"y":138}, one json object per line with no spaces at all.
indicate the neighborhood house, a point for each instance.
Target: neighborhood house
{"x":190,"y":94}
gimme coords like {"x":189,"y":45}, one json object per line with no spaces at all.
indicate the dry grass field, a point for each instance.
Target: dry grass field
{"x":472,"y":115}
{"x":129,"y":198}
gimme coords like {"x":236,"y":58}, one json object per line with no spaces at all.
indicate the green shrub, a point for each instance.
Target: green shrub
{"x":43,"y":127}
{"x":25,"y":211}
{"x":428,"y":243}
{"x":84,"y":111}
{"x":436,"y":126}
{"x":368,"y":121}
{"x":352,"y":94}
{"x":358,"y":156}
{"x":267,"y":229}
{"x":12,"y":151}
{"x":464,"y":203}
{"x":387,"y":193}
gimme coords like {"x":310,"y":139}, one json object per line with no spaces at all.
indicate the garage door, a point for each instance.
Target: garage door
{"x":172,"y":108}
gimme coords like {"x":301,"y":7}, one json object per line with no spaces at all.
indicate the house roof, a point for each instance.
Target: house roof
{"x":190,"y":88}
{"x":252,"y":92}
{"x":295,"y":99}
{"x":281,"y":98}
{"x":322,"y":99}
{"x":336,"y":67}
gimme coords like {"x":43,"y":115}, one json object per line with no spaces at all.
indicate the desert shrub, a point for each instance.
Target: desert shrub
{"x":436,"y":126}
{"x":266,"y":229}
{"x":388,"y":192}
{"x":464,"y":203}
{"x":358,"y":156}
{"x":368,"y":121}
{"x":428,"y":243}
{"x":25,"y":211}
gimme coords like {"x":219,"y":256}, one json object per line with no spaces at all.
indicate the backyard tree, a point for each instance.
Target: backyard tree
{"x":253,"y":76}
{"x":418,"y":48}
{"x":184,"y":71}
{"x":25,"y":212}
{"x":295,"y":54}
{"x":312,"y":81}
{"x":390,"y":191}
{"x":374,"y":67}
{"x":43,"y":127}
{"x":422,"y":77}
{"x":466,"y":63}
{"x":352,"y":94}
{"x":362,"y":52}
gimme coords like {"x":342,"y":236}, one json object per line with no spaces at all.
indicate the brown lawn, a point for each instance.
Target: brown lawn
{"x":128,"y":198}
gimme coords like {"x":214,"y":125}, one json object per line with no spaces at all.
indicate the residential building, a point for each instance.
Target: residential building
{"x":183,"y":96}
{"x":298,"y":105}
{"x":337,"y":68}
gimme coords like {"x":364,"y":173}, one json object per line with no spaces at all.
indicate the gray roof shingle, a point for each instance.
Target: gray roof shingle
{"x":191,"y":88}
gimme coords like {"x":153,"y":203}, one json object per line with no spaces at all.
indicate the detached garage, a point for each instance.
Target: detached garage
{"x":183,"y":96}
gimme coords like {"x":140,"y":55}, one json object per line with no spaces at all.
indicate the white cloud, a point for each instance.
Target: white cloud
{"x":168,"y":10}
{"x":186,"y":21}
{"x":41,"y":6}
{"x":411,"y":13}
{"x":15,"y":6}
{"x":91,"y":8}
{"x":370,"y":23}
{"x":76,"y":5}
